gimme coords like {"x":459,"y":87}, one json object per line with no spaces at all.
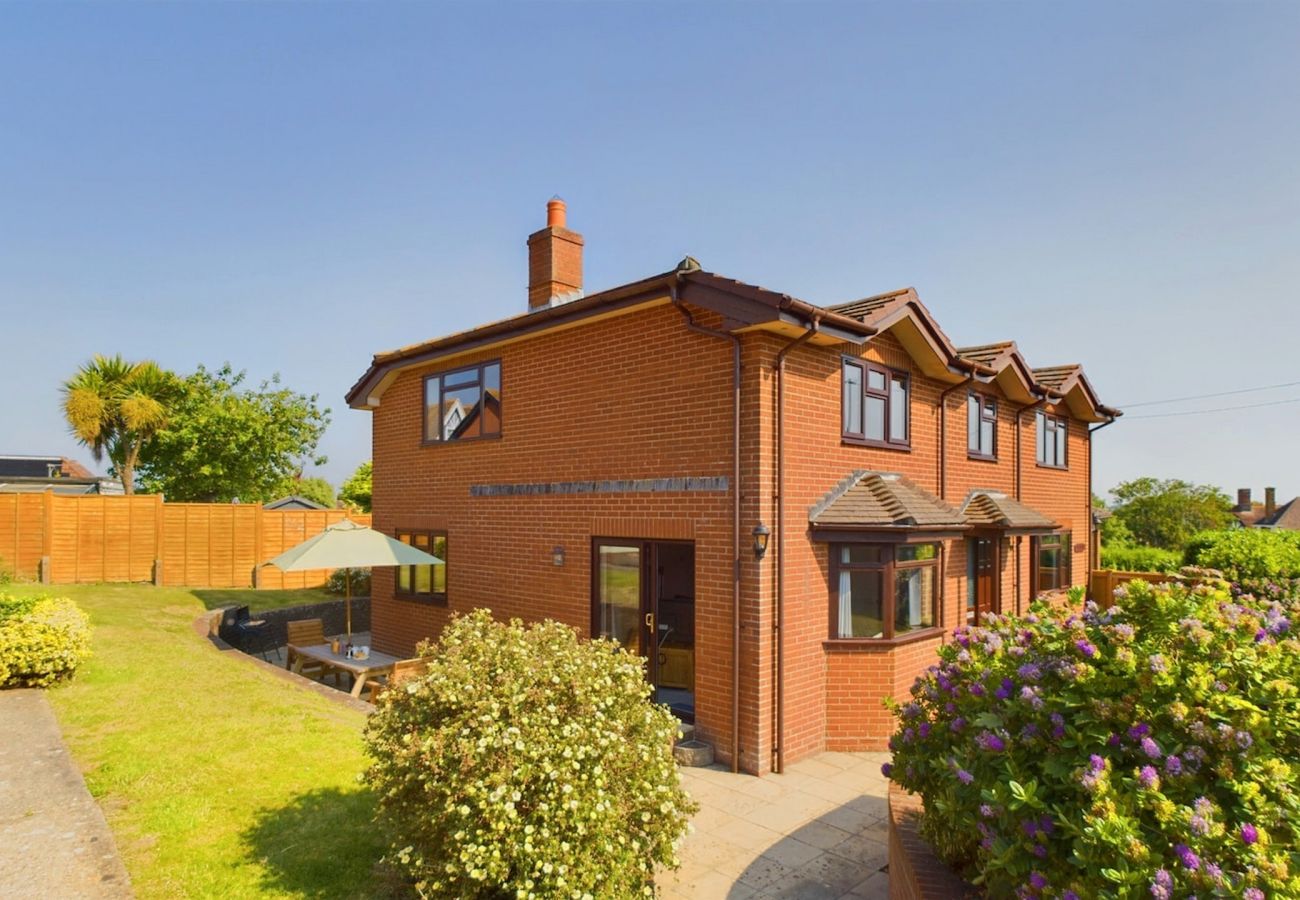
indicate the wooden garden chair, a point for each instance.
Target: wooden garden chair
{"x":403,"y":670}
{"x":305,"y":633}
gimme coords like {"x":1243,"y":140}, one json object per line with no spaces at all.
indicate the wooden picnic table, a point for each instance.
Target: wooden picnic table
{"x":361,"y":670}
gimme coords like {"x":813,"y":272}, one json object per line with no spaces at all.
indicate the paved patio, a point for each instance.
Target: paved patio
{"x":817,"y":832}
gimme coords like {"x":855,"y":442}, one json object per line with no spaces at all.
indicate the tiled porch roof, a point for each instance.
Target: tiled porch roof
{"x":993,"y":509}
{"x":883,"y":500}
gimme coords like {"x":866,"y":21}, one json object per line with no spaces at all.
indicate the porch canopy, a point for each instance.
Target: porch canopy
{"x":984,"y":509}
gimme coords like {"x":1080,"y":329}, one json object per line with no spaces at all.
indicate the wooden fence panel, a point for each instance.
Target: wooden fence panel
{"x":114,"y":538}
{"x":1103,"y":582}
{"x":22,"y":533}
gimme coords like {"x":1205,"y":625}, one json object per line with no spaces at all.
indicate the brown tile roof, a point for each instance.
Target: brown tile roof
{"x":882,"y":500}
{"x":73,"y":469}
{"x":993,"y":509}
{"x":985,"y":354}
{"x":1286,"y":516}
{"x":1055,"y":376}
{"x":869,"y":308}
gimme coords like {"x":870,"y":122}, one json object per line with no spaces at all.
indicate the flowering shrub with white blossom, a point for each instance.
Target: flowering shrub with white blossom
{"x":1148,"y":750}
{"x":527,"y":763}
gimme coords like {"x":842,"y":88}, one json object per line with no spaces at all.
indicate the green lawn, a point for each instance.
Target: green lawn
{"x":212,"y":598}
{"x":218,"y":779}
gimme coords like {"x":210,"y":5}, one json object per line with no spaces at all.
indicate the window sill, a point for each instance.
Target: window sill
{"x":1064,"y":468}
{"x":877,"y":645}
{"x":879,"y":445}
{"x":426,"y":599}
{"x":980,"y":457}
{"x":468,"y":440}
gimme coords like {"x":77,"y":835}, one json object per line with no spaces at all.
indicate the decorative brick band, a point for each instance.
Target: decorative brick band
{"x":689,"y":485}
{"x":915,"y":872}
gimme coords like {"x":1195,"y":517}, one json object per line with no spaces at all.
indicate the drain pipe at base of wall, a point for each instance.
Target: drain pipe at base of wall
{"x":735,"y":515}
{"x":778,"y":367}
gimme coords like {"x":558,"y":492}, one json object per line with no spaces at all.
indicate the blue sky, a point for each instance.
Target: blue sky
{"x":292,"y":187}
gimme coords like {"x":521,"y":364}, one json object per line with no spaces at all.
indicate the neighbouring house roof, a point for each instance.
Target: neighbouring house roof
{"x":293,"y":502}
{"x":1249,"y":518}
{"x":994,"y":509}
{"x":23,"y":473}
{"x":23,"y":466}
{"x":873,"y":500}
{"x":1286,"y":516}
{"x":746,"y":307}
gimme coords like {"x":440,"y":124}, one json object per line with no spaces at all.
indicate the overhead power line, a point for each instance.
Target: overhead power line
{"x":1249,"y":390}
{"x":1202,"y":412}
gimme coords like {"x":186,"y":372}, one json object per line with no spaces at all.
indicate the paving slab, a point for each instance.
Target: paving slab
{"x":54,"y":842}
{"x":816,"y":832}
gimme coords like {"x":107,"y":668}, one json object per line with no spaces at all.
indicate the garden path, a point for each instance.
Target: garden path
{"x":54,"y":842}
{"x":817,"y":832}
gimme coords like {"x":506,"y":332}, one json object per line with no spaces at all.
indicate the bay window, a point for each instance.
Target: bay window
{"x":883,"y":591}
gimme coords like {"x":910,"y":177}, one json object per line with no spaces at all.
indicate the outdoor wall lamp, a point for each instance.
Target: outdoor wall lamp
{"x":557,"y":556}
{"x":761,"y":534}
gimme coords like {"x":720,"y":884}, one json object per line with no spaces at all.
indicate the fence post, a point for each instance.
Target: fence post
{"x":47,"y":535}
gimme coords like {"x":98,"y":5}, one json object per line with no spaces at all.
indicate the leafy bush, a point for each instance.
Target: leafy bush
{"x":337,"y":582}
{"x":6,"y":572}
{"x":1140,"y":559}
{"x":1152,"y":750}
{"x":1247,"y":553}
{"x":527,"y":763}
{"x":42,"y":639}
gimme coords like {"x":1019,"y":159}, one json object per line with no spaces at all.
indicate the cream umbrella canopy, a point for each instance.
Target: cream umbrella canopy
{"x":349,"y":545}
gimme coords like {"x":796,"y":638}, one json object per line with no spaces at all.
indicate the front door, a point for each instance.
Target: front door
{"x":643,"y":596}
{"x":983,"y":577}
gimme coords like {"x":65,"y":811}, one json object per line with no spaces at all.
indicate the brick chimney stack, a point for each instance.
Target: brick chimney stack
{"x":554,"y":261}
{"x":1270,"y":501}
{"x":1243,"y":500}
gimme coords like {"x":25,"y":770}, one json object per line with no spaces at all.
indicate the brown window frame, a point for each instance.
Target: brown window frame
{"x":1066,"y":547}
{"x":1045,"y":424}
{"x":983,"y":401}
{"x":481,"y":369}
{"x":410,"y":593}
{"x":887,"y":567}
{"x":886,"y":396}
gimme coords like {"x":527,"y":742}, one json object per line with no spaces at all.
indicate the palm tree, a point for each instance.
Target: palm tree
{"x":114,"y":407}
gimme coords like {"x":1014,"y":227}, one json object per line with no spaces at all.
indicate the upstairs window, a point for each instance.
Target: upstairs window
{"x":882,"y":590}
{"x":424,"y":582}
{"x":874,"y":405}
{"x":982,"y":426}
{"x":1052,"y":562}
{"x":463,"y":404}
{"x":1052,"y":434}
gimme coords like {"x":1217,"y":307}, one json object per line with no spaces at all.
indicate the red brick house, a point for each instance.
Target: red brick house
{"x":785,"y":507}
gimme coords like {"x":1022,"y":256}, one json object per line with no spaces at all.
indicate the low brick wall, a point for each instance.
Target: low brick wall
{"x":915,"y":872}
{"x":331,"y":613}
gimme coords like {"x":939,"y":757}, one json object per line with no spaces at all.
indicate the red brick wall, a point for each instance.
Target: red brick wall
{"x":628,"y":397}
{"x":833,"y":692}
{"x":638,"y":396}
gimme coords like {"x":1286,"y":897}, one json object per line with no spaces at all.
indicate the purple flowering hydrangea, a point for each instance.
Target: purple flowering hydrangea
{"x":1162,"y":887}
{"x":1037,"y":880}
{"x":1139,"y":731}
{"x":1185,"y":855}
{"x":1249,"y":834}
{"x":1151,"y":748}
{"x":965,"y":777}
{"x":1252,"y":893}
{"x":1149,"y":778}
{"x":1173,"y":765}
{"x":1030,"y":672}
{"x":1005,"y":689}
{"x":957,"y":724}
{"x":1157,"y":663}
{"x":990,"y":742}
{"x":887,"y":770}
{"x":1086,"y":647}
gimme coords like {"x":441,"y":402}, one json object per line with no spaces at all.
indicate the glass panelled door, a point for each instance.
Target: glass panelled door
{"x":620,"y":593}
{"x":983,"y":582}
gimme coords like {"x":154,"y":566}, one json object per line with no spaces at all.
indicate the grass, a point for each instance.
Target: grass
{"x":217,"y":778}
{"x":258,"y":601}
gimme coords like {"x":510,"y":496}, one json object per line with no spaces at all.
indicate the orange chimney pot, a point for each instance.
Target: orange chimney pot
{"x":555,"y":213}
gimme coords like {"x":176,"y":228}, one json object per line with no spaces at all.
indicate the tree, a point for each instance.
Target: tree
{"x":1166,"y":513}
{"x":355,"y":492}
{"x":117,"y":408}
{"x":226,"y":442}
{"x":318,"y":490}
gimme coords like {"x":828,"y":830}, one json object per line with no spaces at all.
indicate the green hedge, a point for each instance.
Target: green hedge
{"x":1244,"y":554}
{"x":42,"y":639}
{"x":1140,"y":559}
